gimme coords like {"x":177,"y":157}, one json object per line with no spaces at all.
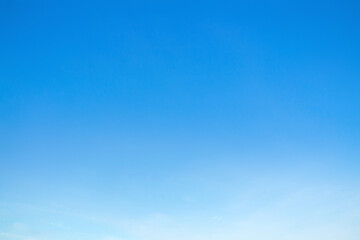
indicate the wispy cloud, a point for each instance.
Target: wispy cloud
{"x":311,"y":213}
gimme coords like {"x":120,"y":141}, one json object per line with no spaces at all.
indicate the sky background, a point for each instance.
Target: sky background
{"x":174,"y":120}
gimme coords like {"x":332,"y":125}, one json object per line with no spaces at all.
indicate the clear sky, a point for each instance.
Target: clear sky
{"x":179,"y":120}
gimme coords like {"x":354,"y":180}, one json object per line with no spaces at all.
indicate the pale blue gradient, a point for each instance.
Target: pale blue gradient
{"x":174,"y":120}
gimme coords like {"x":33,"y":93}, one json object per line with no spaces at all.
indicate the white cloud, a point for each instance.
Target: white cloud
{"x":311,"y":214}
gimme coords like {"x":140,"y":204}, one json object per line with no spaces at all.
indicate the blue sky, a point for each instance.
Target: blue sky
{"x":158,"y":120}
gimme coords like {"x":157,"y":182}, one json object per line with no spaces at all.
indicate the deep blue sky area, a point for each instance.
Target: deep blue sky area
{"x":154,"y":120}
